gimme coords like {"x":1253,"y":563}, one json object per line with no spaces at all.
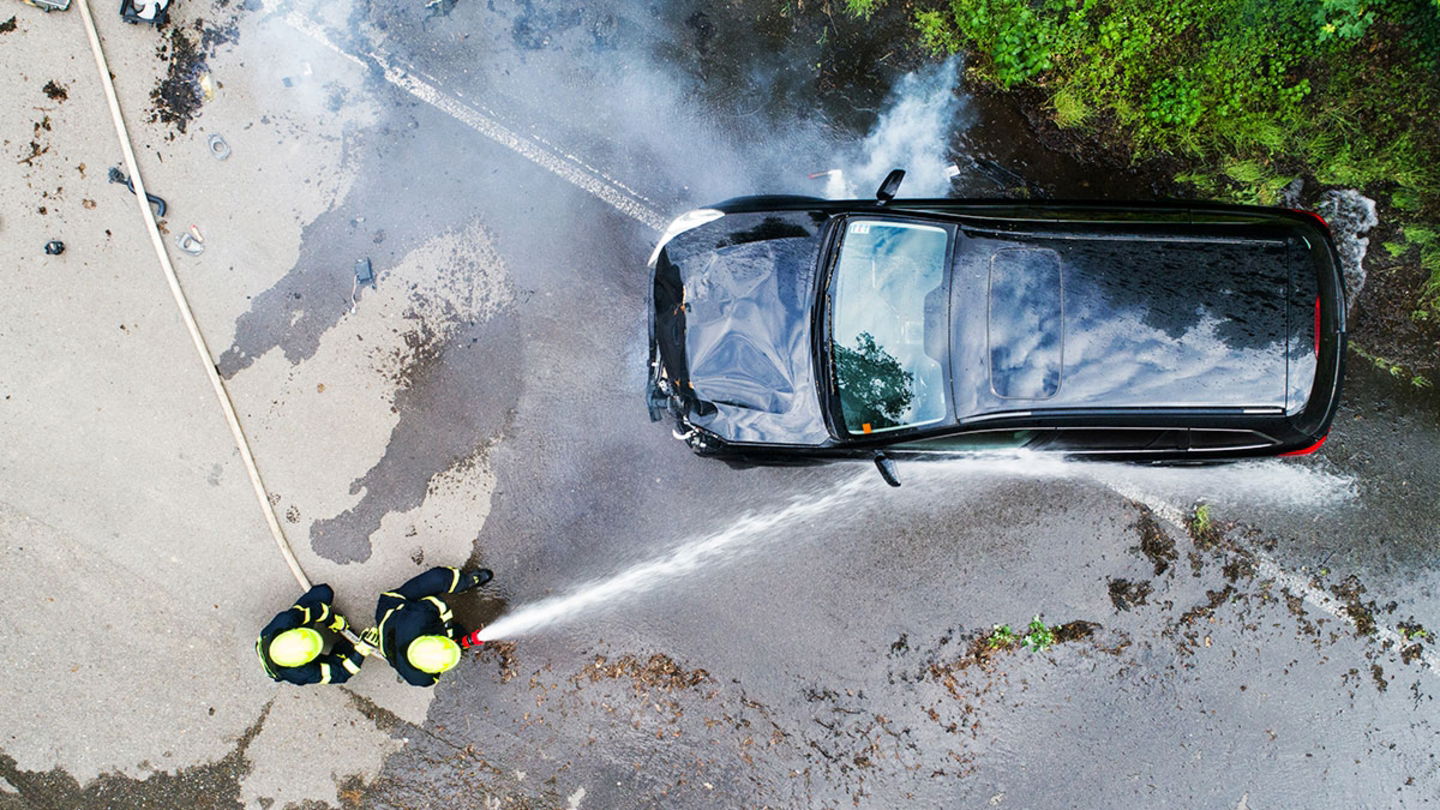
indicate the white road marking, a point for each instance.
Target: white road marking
{"x":1268,"y":568}
{"x":562,"y":164}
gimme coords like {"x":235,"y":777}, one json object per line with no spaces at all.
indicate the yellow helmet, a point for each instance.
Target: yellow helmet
{"x":433,"y":654}
{"x":296,"y":647}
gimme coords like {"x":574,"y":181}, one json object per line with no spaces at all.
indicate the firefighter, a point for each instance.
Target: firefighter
{"x":414,"y":628}
{"x":292,"y":647}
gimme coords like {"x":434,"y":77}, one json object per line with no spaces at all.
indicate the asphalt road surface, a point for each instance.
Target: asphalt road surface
{"x":506,"y":166}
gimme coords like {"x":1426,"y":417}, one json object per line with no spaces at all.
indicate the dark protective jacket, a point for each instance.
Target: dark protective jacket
{"x":314,"y":610}
{"x":413,"y":610}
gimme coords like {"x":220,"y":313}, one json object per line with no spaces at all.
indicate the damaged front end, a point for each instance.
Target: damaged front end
{"x":667,"y":393}
{"x":732,"y":297}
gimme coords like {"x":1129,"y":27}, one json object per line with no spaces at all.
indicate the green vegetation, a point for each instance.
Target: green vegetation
{"x":1413,"y":631}
{"x":1243,"y":95}
{"x":1394,"y":369}
{"x":1200,"y":520}
{"x":1001,"y":637}
{"x":1038,"y":637}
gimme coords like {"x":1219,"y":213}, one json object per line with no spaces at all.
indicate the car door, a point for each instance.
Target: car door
{"x":973,"y":441}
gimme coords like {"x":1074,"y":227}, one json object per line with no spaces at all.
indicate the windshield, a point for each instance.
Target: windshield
{"x":889,"y":325}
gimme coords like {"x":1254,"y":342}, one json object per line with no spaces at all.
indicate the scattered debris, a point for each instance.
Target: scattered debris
{"x":155,"y":12}
{"x":117,"y":176}
{"x":219,"y":149}
{"x":1125,"y":594}
{"x":1360,"y":612}
{"x":659,"y":672}
{"x":1157,"y":546}
{"x":504,"y":653}
{"x":54,"y":89}
{"x":54,"y":247}
{"x":7,"y":26}
{"x":305,"y":70}
{"x":364,"y":274}
{"x":49,"y":5}
{"x":440,"y":8}
{"x":186,"y":85}
{"x":188,"y":243}
{"x":37,"y":145}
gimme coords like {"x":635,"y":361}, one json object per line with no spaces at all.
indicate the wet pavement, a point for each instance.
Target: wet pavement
{"x":1270,"y":649}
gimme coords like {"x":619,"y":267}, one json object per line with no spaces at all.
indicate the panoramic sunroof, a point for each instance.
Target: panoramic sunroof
{"x":1025,"y":323}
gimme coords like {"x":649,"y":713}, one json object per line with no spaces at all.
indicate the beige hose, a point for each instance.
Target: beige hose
{"x":184,"y":305}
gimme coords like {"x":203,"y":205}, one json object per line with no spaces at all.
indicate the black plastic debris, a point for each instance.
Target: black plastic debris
{"x":54,"y":247}
{"x":117,"y":176}
{"x":364,"y":272}
{"x":49,"y":5}
{"x":154,"y":12}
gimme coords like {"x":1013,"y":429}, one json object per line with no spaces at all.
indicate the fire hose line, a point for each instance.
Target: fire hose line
{"x":186,"y":313}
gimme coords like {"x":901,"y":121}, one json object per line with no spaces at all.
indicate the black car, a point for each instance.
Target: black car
{"x":793,"y":329}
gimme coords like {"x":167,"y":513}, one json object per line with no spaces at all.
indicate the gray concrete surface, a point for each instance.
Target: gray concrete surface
{"x":502,"y":166}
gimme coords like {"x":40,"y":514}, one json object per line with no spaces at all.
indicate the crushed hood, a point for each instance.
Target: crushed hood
{"x":733,"y":304}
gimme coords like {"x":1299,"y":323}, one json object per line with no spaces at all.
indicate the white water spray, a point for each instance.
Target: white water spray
{"x":912,"y":134}
{"x":683,"y":560}
{"x":1350,"y":215}
{"x":1260,"y":482}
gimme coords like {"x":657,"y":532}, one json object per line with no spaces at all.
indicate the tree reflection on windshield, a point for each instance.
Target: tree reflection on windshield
{"x":889,"y":324}
{"x":874,"y":387}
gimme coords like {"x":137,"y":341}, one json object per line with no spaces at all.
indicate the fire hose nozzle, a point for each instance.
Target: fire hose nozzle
{"x":472,"y":639}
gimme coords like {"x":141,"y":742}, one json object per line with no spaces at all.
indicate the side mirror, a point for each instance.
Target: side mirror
{"x":887,"y":189}
{"x":886,"y":466}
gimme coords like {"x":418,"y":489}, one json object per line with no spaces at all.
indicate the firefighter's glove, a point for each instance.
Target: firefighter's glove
{"x":369,"y":640}
{"x":474,"y":578}
{"x":339,"y":624}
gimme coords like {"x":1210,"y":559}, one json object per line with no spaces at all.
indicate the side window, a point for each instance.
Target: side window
{"x":973,"y":441}
{"x":1116,"y":440}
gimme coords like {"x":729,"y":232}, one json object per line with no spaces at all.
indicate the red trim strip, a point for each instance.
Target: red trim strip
{"x":1305,"y":451}
{"x":1316,"y":217}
